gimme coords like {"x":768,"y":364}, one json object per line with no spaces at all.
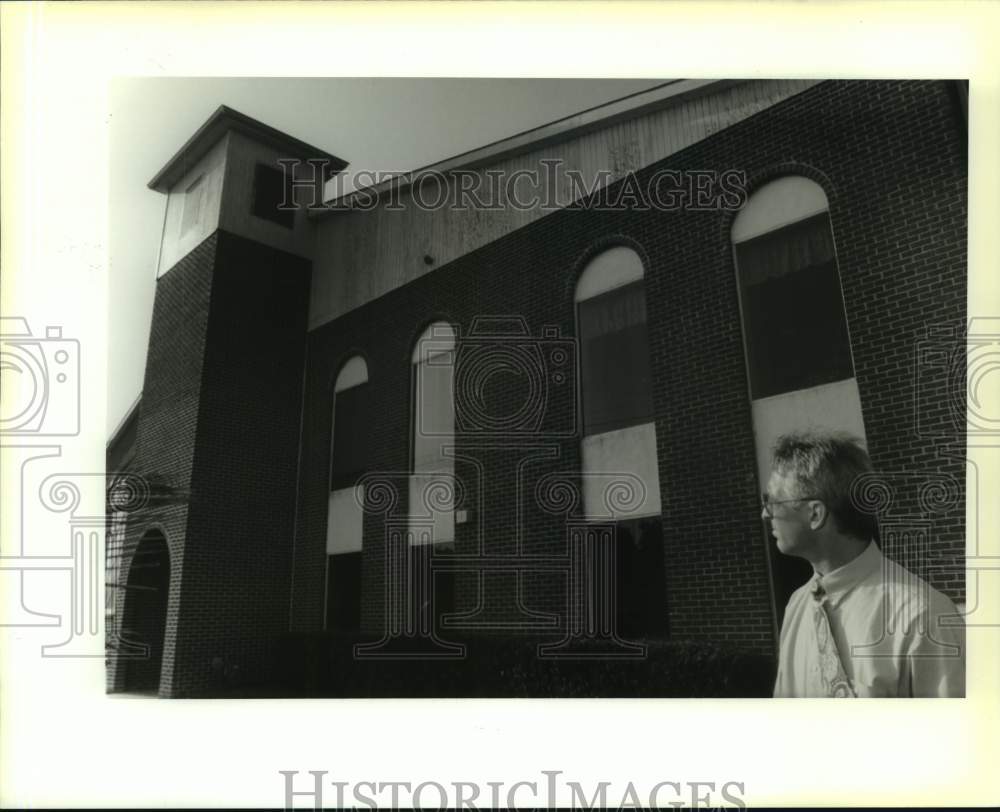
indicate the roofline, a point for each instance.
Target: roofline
{"x":218,"y":124}
{"x":124,"y":421}
{"x":563,"y":129}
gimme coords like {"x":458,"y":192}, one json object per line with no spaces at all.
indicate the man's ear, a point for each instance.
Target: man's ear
{"x":819,"y":515}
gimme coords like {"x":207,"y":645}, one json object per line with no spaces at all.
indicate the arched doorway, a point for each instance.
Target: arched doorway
{"x":144,"y":619}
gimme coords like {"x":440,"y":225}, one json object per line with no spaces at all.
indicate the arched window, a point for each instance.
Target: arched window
{"x":615,"y":385}
{"x":348,"y":460}
{"x":433,"y":421}
{"x":611,"y":314}
{"x":619,"y":433}
{"x":793,"y":308}
{"x":795,"y":329}
{"x":432,"y":517}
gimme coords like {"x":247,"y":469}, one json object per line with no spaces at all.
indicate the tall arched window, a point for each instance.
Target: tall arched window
{"x":619,"y":433}
{"x":794,"y":325}
{"x":615,"y":385}
{"x":432,"y":517}
{"x":348,"y":460}
{"x":433,"y":432}
{"x":795,"y":330}
{"x":793,"y":309}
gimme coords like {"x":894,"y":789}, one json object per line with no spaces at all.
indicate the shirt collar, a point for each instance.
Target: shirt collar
{"x":839,"y":582}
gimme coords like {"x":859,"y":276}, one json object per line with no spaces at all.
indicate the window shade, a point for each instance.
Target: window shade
{"x":351,"y":436}
{"x":793,"y":309}
{"x":615,"y":360}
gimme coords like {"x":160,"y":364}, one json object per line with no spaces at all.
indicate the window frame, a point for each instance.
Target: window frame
{"x":345,"y":368}
{"x":280,"y":217}
{"x":417,"y":358}
{"x":634,"y":276}
{"x":815,"y":202}
{"x":190,"y":205}
{"x":415,"y":362}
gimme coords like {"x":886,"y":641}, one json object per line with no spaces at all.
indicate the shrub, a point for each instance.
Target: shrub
{"x":325,"y":665}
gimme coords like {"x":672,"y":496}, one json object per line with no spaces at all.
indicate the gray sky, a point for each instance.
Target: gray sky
{"x":393,"y":124}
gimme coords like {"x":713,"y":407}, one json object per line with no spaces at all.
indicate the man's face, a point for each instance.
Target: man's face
{"x":789,"y":519}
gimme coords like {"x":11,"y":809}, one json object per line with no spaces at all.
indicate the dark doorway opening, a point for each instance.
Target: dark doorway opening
{"x":343,"y":592}
{"x":145,"y":613}
{"x":432,"y":589}
{"x":641,"y":594}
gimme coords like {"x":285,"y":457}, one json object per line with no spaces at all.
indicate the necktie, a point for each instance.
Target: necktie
{"x":831,"y":669}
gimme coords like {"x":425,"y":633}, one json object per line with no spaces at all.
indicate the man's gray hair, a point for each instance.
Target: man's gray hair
{"x":824,"y":465}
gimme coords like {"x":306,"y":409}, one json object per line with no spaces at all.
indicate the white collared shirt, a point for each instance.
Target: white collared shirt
{"x":897,"y":635}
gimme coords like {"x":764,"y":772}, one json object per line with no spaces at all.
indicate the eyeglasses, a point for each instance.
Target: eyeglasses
{"x":766,"y":502}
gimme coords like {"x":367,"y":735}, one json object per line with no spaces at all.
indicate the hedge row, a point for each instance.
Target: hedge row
{"x":326,"y":666}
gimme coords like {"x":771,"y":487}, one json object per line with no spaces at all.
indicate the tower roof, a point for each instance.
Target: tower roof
{"x":223,"y":120}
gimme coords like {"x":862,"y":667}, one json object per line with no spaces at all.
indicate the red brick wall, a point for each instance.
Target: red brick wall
{"x":891,"y":158}
{"x":242,"y":512}
{"x":168,"y":418}
{"x":220,"y":415}
{"x":222,"y":398}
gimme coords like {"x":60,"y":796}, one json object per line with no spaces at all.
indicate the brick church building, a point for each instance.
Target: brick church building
{"x":542,"y":407}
